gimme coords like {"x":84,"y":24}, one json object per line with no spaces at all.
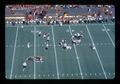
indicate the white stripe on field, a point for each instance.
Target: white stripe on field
{"x":97,"y":53}
{"x":77,"y":56}
{"x":34,"y":52}
{"x":57,"y":25}
{"x":109,"y":36}
{"x":55,"y":53}
{"x":14,"y":53}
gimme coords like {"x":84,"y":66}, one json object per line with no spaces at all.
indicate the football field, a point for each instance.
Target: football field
{"x":79,"y":62}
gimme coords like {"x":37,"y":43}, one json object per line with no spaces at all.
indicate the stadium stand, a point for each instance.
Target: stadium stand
{"x":64,"y":13}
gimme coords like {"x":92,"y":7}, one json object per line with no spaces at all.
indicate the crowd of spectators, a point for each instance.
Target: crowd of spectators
{"x":39,"y":13}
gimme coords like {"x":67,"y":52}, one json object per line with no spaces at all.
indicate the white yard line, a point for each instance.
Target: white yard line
{"x":82,"y":44}
{"x":34,"y":52}
{"x":108,"y":35}
{"x":97,"y":53}
{"x":63,"y":75}
{"x":77,"y":56}
{"x":55,"y":53}
{"x":58,"y":25}
{"x":14,"y":53}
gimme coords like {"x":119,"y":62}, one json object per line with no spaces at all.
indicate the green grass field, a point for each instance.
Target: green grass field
{"x":80,"y":62}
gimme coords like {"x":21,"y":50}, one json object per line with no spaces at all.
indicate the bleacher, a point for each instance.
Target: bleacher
{"x":80,"y":10}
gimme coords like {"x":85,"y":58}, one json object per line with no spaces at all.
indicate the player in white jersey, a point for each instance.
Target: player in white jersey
{"x":24,"y":65}
{"x":39,"y":33}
